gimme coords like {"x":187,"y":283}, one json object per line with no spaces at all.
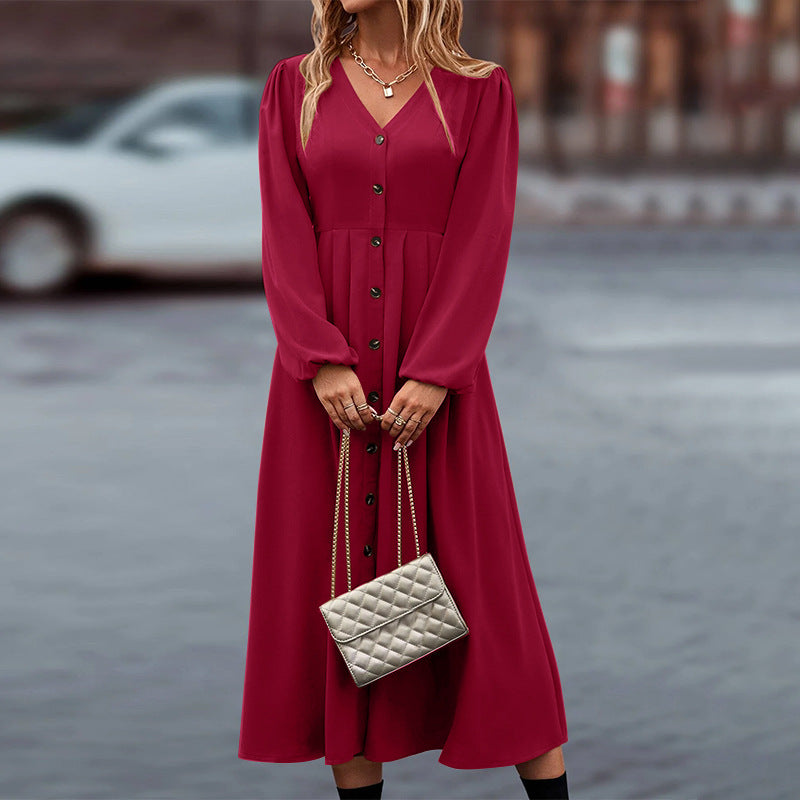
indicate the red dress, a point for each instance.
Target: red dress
{"x":385,"y":251}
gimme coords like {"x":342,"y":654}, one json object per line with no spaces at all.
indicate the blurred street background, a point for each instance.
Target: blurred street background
{"x":645,"y":360}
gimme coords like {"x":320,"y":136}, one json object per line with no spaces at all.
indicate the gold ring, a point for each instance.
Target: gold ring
{"x":398,"y":420}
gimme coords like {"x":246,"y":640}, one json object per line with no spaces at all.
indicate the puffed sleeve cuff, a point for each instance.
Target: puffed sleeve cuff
{"x":451,"y":333}
{"x":292,"y":283}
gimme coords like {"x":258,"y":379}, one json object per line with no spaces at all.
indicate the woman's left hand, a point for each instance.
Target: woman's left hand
{"x":416,"y":402}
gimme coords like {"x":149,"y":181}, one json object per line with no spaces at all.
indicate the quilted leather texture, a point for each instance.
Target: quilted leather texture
{"x":393,"y":620}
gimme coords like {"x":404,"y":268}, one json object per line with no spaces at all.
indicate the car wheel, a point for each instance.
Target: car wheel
{"x":40,"y":252}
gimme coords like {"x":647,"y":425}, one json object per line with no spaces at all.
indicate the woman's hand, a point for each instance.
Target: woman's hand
{"x":337,"y":386}
{"x":416,"y":402}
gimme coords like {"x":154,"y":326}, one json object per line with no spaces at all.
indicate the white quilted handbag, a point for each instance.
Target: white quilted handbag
{"x":397,"y":618}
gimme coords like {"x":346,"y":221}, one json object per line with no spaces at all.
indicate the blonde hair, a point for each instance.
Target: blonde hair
{"x":430,"y":28}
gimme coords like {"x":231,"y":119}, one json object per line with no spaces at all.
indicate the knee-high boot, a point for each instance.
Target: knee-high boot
{"x":546,"y":788}
{"x":371,"y":792}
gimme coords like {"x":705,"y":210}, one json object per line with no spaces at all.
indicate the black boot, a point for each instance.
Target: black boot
{"x":546,"y":788}
{"x":371,"y":792}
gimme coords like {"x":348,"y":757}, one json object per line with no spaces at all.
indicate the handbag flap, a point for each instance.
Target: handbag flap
{"x":383,"y":599}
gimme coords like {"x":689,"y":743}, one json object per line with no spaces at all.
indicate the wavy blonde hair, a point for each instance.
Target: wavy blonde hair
{"x":430,"y":28}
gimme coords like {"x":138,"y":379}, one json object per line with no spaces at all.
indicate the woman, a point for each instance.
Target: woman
{"x":387,"y":215}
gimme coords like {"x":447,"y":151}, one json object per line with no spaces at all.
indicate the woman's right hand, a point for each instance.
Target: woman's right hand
{"x":337,"y":386}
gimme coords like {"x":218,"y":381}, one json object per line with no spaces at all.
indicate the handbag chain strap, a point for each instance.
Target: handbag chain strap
{"x":343,"y":478}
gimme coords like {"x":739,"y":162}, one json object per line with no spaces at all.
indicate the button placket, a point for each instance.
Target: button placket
{"x":373,"y":354}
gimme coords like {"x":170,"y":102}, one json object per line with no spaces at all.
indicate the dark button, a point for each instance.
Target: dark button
{"x":373,"y":397}
{"x":372,"y":447}
{"x":374,"y":344}
{"x":370,"y":499}
{"x":377,"y":188}
{"x":375,"y":241}
{"x":367,"y":550}
{"x":379,"y":138}
{"x":375,"y":291}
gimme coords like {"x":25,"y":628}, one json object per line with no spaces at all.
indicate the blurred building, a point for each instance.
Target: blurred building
{"x":602,"y":85}
{"x":61,"y":52}
{"x":622,"y":84}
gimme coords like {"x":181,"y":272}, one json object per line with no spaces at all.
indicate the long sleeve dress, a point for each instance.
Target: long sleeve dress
{"x":384,"y":250}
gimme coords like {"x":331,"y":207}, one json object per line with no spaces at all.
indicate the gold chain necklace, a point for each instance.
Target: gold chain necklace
{"x":387,"y":87}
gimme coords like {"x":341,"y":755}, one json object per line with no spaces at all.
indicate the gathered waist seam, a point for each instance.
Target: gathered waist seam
{"x":378,"y":227}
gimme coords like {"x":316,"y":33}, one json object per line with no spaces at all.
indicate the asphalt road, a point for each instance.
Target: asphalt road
{"x":649,"y":388}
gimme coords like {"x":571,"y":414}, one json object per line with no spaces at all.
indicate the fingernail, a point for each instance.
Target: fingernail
{"x":396,"y":446}
{"x":409,"y":443}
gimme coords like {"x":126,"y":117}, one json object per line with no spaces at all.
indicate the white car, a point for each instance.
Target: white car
{"x":166,"y":179}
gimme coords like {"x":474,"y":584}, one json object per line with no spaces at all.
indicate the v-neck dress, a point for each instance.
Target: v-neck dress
{"x":384,"y":250}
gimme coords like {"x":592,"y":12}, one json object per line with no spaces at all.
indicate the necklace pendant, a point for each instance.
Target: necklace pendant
{"x":387,"y":91}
